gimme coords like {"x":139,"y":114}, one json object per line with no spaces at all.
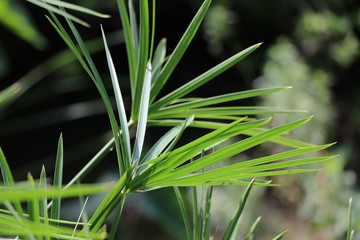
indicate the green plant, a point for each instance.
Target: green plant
{"x":165,"y":164}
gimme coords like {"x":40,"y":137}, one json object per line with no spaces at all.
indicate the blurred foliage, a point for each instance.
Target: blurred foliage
{"x":286,"y":66}
{"x":314,"y":194}
{"x":328,"y":34}
{"x":18,"y":20}
{"x":218,"y":27}
{"x":322,"y":44}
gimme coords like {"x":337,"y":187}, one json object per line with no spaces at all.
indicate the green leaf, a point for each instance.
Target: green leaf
{"x":54,"y":5}
{"x":196,"y":147}
{"x":253,"y":227}
{"x":285,"y":141}
{"x":33,"y":203}
{"x":200,"y":80}
{"x":207,"y":214}
{"x":8,"y":182}
{"x":168,"y":141}
{"x":75,"y":7}
{"x":130,"y":44}
{"x":179,"y":173}
{"x":144,"y":106}
{"x":116,"y":222}
{"x":165,"y":140}
{"x":152,"y":28}
{"x":350,"y":232}
{"x":184,"y":211}
{"x":121,"y":108}
{"x":16,"y":19}
{"x":159,"y":60}
{"x":5,"y":170}
{"x":142,"y":60}
{"x":134,"y":28}
{"x":94,"y":74}
{"x":243,"y":167}
{"x":168,"y":161}
{"x":280,"y":236}
{"x":195,"y":214}
{"x":232,"y":224}
{"x":218,"y":113}
{"x":24,"y":192}
{"x":43,"y":210}
{"x":179,"y":50}
{"x":221,"y":99}
{"x":58,"y":11}
{"x":109,"y":203}
{"x":58,"y":175}
{"x":10,"y":227}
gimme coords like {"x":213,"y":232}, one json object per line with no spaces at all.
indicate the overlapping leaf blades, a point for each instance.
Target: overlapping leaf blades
{"x":174,"y":168}
{"x":37,"y":224}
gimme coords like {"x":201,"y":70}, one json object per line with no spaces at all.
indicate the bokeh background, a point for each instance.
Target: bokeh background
{"x":312,"y":45}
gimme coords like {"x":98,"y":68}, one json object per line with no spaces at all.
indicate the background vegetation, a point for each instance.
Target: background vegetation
{"x":311,"y":45}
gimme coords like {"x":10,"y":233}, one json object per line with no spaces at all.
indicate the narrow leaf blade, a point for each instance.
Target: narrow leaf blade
{"x":180,"y":49}
{"x":58,"y":175}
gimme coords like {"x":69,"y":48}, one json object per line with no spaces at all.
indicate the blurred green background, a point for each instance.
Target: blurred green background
{"x":312,"y":45}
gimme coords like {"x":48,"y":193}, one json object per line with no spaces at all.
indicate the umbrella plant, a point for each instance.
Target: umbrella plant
{"x":231,"y":129}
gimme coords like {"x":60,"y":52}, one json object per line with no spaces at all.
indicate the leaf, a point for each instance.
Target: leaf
{"x":142,"y":61}
{"x":350,"y":232}
{"x":280,"y":236}
{"x":125,"y":136}
{"x":179,"y":50}
{"x":43,"y":210}
{"x":168,"y":161}
{"x":152,"y":28}
{"x":218,"y":113}
{"x":58,"y":11}
{"x":5,"y":170}
{"x":54,"y":5}
{"x":33,"y":203}
{"x":253,"y":227}
{"x":178,"y":172}
{"x":198,"y":145}
{"x":10,"y":227}
{"x":232,"y":224}
{"x":75,"y":7}
{"x":130,"y":44}
{"x":58,"y":175}
{"x":241,"y":167}
{"x":207,"y":214}
{"x":144,"y":107}
{"x":17,"y":20}
{"x":221,"y":99}
{"x":201,"y":80}
{"x":94,"y":74}
{"x":165,"y":140}
{"x":113,"y":199}
{"x":23,"y":192}
{"x":159,"y":60}
{"x":184,"y":212}
{"x":134,"y":28}
{"x":285,"y":141}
